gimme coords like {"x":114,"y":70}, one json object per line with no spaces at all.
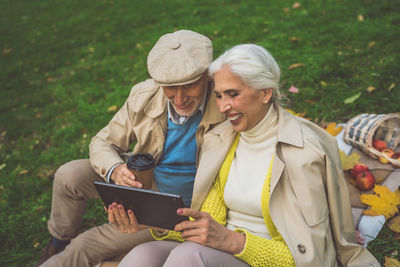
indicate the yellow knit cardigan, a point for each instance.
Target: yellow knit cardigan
{"x":257,"y":251}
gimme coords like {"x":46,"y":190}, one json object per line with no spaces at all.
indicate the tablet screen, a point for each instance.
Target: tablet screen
{"x":151,"y":208}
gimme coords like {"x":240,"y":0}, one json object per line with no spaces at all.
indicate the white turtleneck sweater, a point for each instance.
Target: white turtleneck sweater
{"x":247,"y":175}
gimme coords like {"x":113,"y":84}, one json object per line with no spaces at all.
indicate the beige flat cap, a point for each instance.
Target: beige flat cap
{"x":179,"y":58}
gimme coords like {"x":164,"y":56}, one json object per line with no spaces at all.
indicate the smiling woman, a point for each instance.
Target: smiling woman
{"x":243,"y":106}
{"x":278,"y":199}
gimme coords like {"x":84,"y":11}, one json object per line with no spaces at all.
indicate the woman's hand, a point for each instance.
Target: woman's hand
{"x":126,"y":223}
{"x":206,"y":231}
{"x":360,"y":239}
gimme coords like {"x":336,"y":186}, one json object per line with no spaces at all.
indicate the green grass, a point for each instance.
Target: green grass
{"x":63,"y":63}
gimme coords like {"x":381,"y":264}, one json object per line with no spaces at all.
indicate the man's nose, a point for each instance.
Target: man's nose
{"x":180,"y":96}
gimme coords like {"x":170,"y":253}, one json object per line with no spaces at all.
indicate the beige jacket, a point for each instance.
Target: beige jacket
{"x":309,"y":201}
{"x":142,"y":120}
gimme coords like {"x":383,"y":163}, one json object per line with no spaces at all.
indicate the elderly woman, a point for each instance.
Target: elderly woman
{"x":279,"y":197}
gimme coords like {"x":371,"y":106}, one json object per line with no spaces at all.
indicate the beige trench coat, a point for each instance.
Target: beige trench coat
{"x":143,"y":119}
{"x":309,"y":200}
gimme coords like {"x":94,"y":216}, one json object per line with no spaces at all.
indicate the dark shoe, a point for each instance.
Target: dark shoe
{"x":50,"y":250}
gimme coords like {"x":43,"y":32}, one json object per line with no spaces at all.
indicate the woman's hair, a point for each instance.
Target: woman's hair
{"x":253,"y":64}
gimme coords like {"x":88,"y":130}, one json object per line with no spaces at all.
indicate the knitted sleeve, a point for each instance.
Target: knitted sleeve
{"x":260,"y":251}
{"x":213,"y":204}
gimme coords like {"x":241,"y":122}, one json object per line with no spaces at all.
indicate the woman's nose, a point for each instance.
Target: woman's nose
{"x":224,"y":106}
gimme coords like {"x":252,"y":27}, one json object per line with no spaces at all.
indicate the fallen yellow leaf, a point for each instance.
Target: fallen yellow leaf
{"x":370,"y":89}
{"x":391,"y":87}
{"x":371,"y":44}
{"x":333,"y":129}
{"x":360,"y":17}
{"x":23,"y":172}
{"x":391,"y":262}
{"x":286,"y":10}
{"x":348,"y":161}
{"x":295,"y":65}
{"x":7,"y":51}
{"x":294,"y":39}
{"x":394,"y":224}
{"x":112,"y":108}
{"x":383,"y":202}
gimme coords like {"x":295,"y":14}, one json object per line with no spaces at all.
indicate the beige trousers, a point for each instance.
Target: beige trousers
{"x":72,"y":187}
{"x":174,"y":254}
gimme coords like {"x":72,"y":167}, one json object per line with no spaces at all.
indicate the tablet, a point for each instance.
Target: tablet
{"x":151,"y":208}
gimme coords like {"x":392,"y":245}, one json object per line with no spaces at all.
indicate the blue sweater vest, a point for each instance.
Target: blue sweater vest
{"x":176,"y":170}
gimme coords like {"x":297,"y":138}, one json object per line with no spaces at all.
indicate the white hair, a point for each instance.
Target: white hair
{"x":253,"y":64}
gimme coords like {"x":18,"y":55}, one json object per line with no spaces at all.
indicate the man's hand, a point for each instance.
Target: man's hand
{"x":126,"y":223}
{"x":123,"y":176}
{"x":206,"y":231}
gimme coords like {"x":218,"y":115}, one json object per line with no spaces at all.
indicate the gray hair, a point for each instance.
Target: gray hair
{"x":253,"y":64}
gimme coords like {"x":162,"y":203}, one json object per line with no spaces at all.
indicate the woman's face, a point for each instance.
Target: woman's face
{"x":243,"y":105}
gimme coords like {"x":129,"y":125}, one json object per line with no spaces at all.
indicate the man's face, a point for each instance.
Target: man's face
{"x":187,"y":98}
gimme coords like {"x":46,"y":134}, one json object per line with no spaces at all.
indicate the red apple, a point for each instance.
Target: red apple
{"x":357,"y":169}
{"x":396,"y":156}
{"x":379,"y":144}
{"x":388,"y":152}
{"x":365,"y":181}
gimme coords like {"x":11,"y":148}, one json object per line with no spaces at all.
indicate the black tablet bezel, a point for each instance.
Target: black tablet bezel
{"x":152,"y":208}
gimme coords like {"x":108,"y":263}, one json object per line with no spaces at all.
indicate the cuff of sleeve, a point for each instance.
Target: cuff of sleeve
{"x":251,"y":247}
{"x":111,"y":171}
{"x":158,"y":235}
{"x":170,"y":235}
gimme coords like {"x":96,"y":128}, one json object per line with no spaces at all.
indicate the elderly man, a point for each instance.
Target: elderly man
{"x":167,"y":117}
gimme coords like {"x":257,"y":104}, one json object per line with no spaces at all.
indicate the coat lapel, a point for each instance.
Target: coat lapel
{"x":277,"y":169}
{"x":289,"y":133}
{"x":215,"y":146}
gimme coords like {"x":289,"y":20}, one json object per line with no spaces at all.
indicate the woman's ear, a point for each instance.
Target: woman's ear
{"x":267,"y":94}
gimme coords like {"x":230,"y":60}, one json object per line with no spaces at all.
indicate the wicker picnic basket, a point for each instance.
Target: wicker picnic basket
{"x":362,"y":129}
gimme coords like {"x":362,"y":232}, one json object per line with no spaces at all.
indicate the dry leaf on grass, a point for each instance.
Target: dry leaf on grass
{"x":371,"y":44}
{"x":383,"y":202}
{"x":391,"y":87}
{"x":22,"y":172}
{"x":370,"y":89}
{"x":391,"y":262}
{"x":394,"y":224}
{"x":296,"y":65}
{"x":112,"y":108}
{"x":348,"y":161}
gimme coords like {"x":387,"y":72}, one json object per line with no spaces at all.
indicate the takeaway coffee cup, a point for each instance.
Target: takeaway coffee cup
{"x":142,"y":165}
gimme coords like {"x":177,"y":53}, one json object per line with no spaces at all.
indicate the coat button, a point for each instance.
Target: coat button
{"x":103,"y":171}
{"x":301,"y":248}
